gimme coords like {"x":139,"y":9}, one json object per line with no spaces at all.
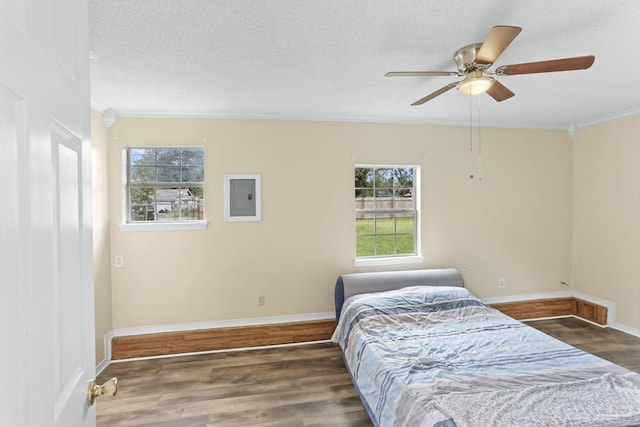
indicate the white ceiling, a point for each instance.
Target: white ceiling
{"x":326,"y":59}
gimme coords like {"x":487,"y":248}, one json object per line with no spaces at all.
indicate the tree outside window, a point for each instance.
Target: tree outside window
{"x":165,"y":184}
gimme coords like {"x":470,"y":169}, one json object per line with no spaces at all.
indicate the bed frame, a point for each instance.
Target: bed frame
{"x":358,"y":283}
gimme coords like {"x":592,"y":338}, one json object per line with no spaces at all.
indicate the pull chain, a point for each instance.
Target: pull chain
{"x":479,"y":144}
{"x":479,"y":135}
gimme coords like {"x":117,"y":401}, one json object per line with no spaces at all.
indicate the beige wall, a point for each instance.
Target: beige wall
{"x":514,"y":223}
{"x":101,"y":232}
{"x":606,"y":242}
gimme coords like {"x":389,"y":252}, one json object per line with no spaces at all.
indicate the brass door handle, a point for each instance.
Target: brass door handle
{"x":109,"y":388}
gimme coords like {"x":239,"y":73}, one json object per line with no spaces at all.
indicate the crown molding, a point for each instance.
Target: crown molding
{"x":574,"y":128}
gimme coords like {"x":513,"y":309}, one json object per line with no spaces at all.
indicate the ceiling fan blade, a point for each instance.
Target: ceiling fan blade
{"x":499,"y":92}
{"x":436,"y":93}
{"x":566,"y":64}
{"x":420,"y":73}
{"x":496,"y":42}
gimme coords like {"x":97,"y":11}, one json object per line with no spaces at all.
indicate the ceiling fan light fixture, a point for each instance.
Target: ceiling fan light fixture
{"x":472,"y":86}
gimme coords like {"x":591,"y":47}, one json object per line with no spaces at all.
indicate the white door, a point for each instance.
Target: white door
{"x":46,"y":299}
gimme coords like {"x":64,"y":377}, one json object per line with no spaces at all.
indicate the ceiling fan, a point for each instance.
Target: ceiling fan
{"x":473,"y":62}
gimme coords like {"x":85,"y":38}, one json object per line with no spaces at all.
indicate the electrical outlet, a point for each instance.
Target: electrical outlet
{"x":501,"y":283}
{"x":118,"y":261}
{"x":260,"y":299}
{"x":463,"y":267}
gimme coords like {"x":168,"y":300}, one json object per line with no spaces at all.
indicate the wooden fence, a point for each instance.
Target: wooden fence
{"x":371,"y":203}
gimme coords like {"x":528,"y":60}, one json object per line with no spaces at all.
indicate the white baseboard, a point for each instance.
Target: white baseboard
{"x":627,"y":329}
{"x":198,"y":353}
{"x":107,"y":353}
{"x":216,"y":324}
{"x":527,"y":297}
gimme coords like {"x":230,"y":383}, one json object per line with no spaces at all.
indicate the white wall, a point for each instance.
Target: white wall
{"x":606,"y":229}
{"x":101,"y":232}
{"x":515,"y":222}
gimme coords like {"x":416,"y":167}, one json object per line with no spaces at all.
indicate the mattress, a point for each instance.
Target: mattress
{"x":440,"y":357}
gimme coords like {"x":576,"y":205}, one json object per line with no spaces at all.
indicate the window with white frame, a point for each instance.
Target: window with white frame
{"x":386,"y":212}
{"x":164,"y":184}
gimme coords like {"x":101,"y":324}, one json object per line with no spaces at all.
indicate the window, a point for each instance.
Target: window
{"x":165,"y":185}
{"x":386,"y":212}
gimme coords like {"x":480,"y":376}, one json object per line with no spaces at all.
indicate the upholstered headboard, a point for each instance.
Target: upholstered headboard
{"x":359,"y":283}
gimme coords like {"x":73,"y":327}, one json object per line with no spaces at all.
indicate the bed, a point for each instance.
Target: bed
{"x":423,"y":351}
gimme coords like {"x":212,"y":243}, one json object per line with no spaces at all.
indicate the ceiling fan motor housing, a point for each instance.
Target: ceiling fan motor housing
{"x":465,"y":59}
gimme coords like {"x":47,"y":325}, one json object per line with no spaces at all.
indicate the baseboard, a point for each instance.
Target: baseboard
{"x":538,"y":308}
{"x":554,"y":307}
{"x":611,"y":306}
{"x":107,"y":353}
{"x":161,"y":340}
{"x":232,"y":335}
{"x":230,"y":323}
{"x":627,"y":329}
{"x":586,"y":306}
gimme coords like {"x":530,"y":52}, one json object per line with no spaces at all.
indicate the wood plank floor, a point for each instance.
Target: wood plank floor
{"x":302,"y":385}
{"x":305,"y":385}
{"x":610,"y":344}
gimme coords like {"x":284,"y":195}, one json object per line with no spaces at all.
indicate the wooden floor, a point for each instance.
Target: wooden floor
{"x":615,"y":346}
{"x":304,"y":385}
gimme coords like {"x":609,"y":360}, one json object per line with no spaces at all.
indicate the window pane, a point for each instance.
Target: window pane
{"x":169,"y":157}
{"x":386,"y":224}
{"x":365,"y":246}
{"x":193,"y":157}
{"x":405,"y":244}
{"x":405,"y":235}
{"x":385,"y":245}
{"x":364,"y":192}
{"x":142,"y":196}
{"x":384,"y":178}
{"x":143,"y":174}
{"x":168,"y":174}
{"x":142,"y":156}
{"x":193,"y":174}
{"x":142,"y":204}
{"x":365,"y":226}
{"x":364,"y":182}
{"x":403,"y":177}
{"x":139,"y":213}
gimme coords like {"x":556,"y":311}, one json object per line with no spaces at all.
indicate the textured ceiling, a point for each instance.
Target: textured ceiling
{"x":326,"y":59}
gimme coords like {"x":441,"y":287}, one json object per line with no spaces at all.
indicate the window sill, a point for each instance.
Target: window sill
{"x":164,"y":226}
{"x":368,"y":262}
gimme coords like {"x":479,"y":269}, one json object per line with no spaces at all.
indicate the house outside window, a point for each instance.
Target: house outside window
{"x":165,"y":184}
{"x":386,"y":211}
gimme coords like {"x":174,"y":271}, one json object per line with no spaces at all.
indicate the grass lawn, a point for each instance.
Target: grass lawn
{"x":384,"y":236}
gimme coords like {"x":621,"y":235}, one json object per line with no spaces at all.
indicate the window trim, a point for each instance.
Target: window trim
{"x":156,"y":225}
{"x":388,"y":260}
{"x":127,"y":225}
{"x":381,"y":260}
